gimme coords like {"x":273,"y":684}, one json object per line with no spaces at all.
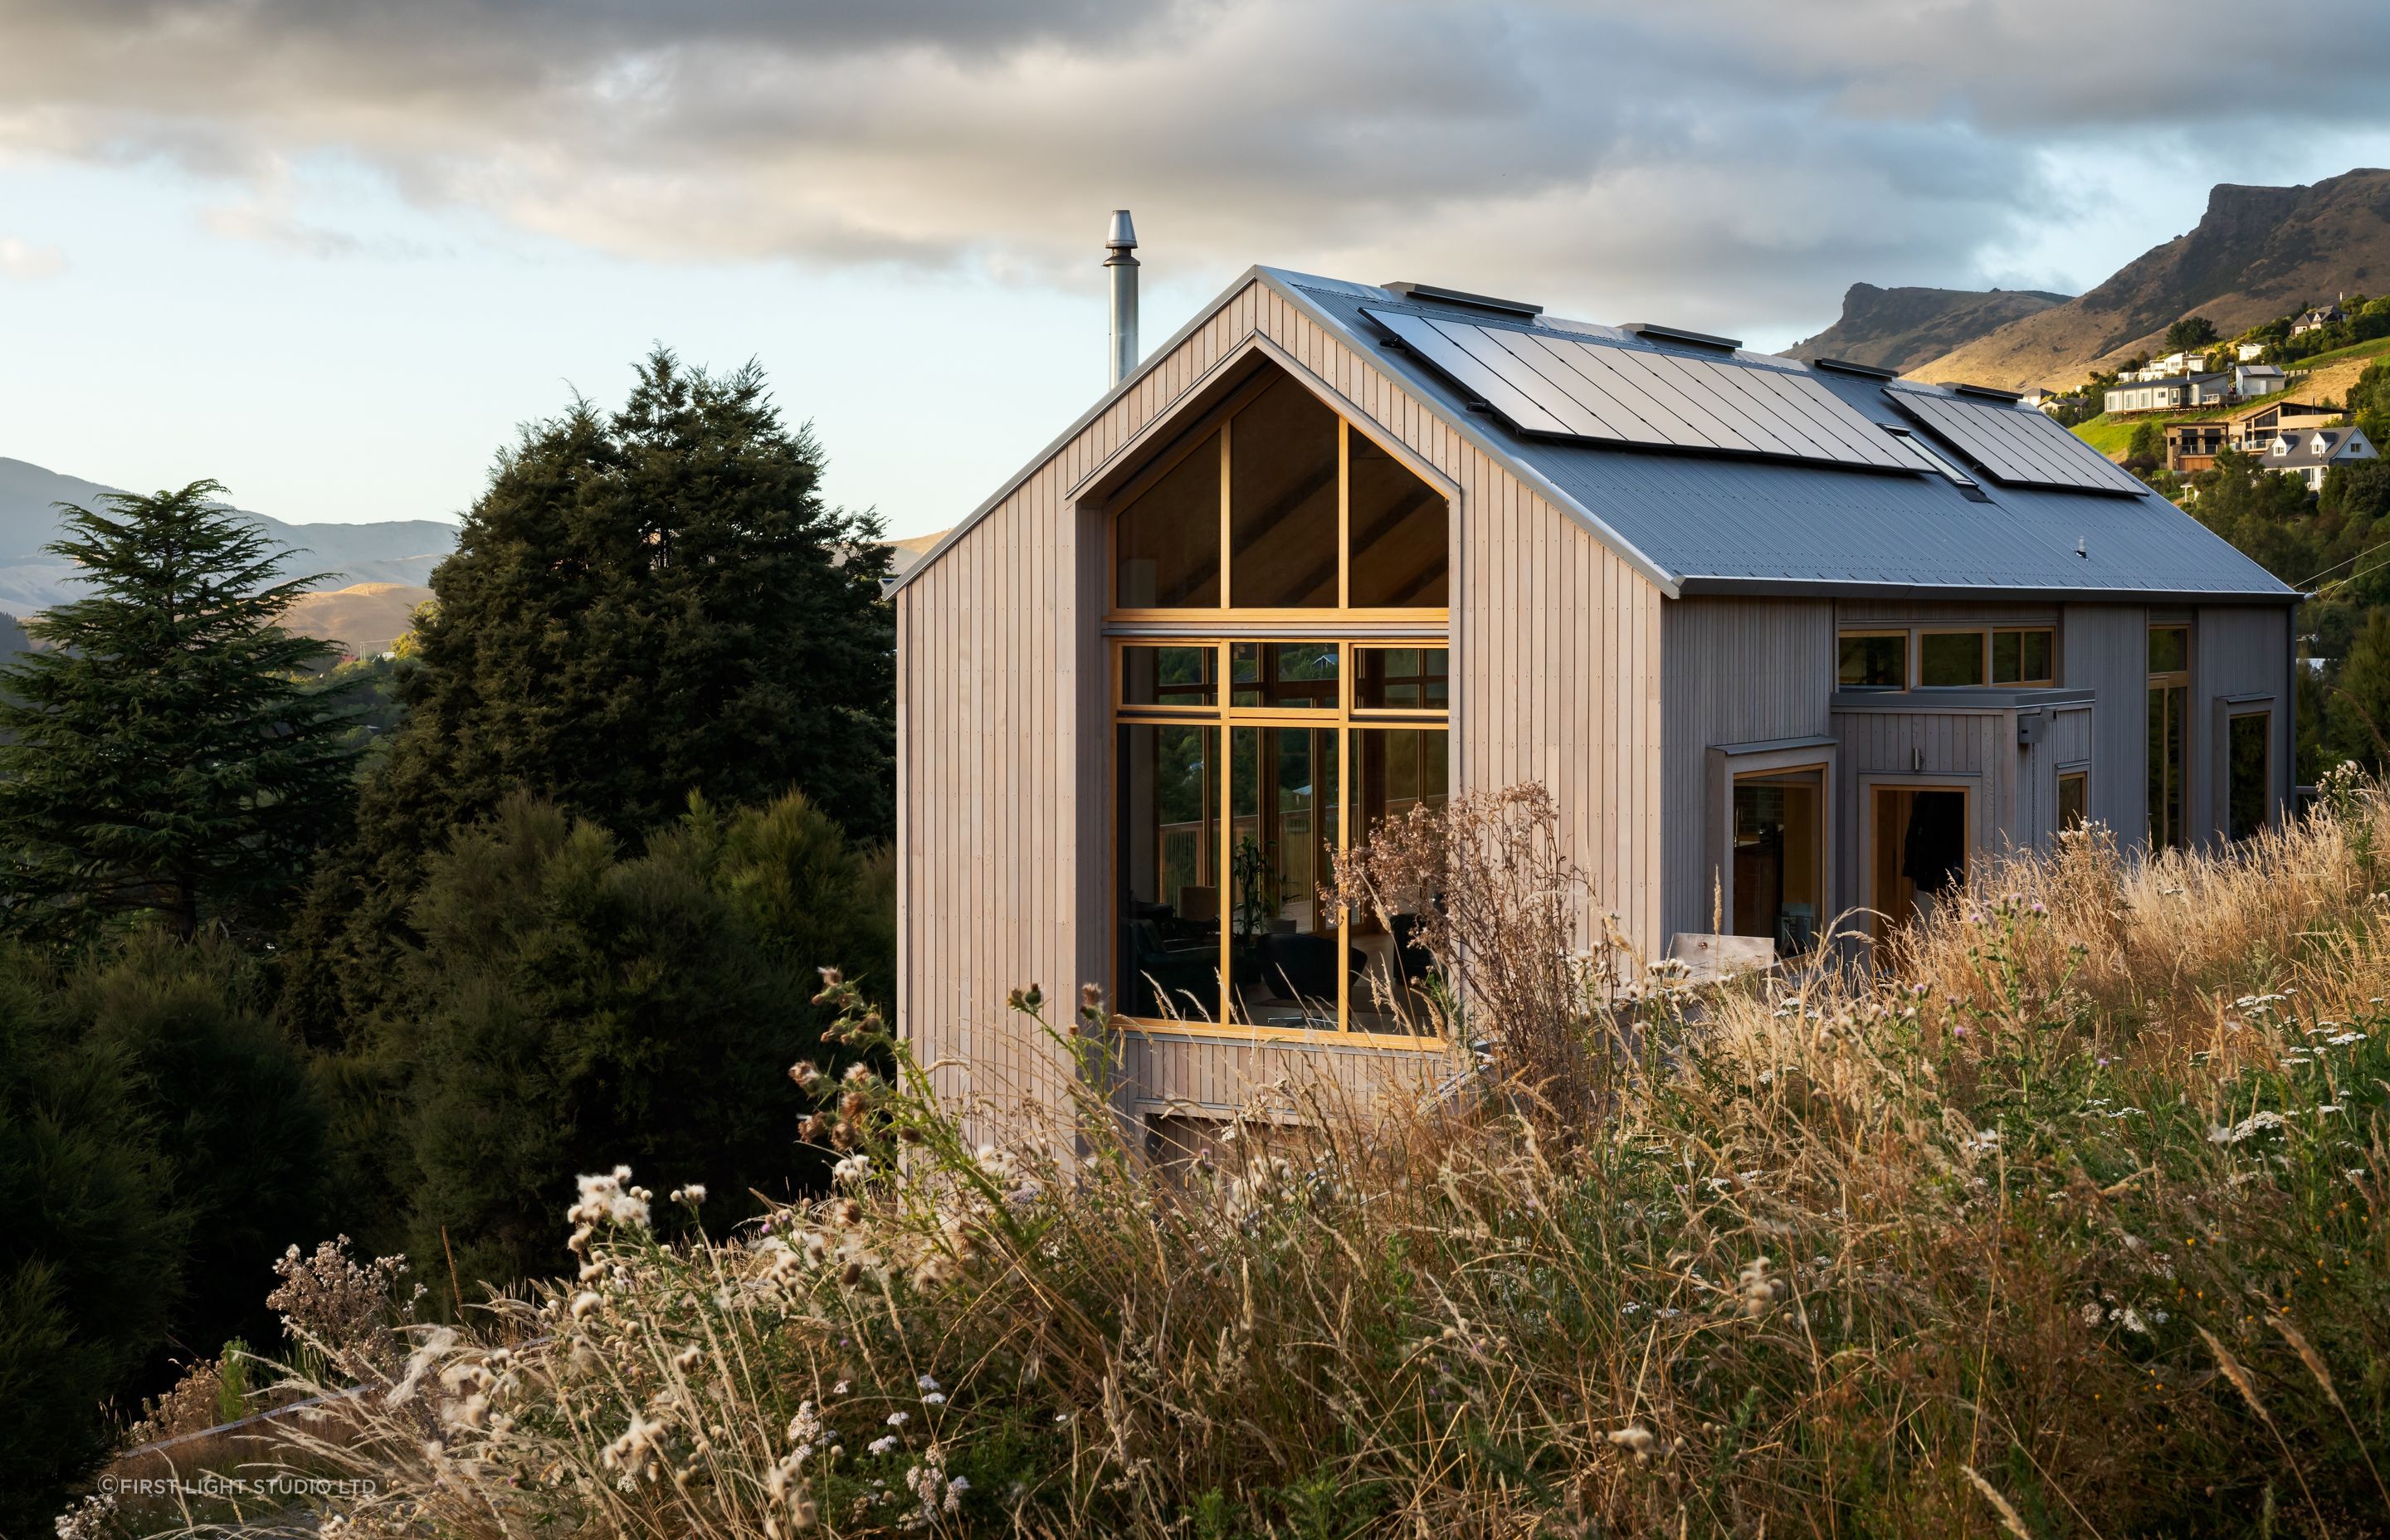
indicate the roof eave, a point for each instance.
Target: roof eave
{"x":1824,"y":588}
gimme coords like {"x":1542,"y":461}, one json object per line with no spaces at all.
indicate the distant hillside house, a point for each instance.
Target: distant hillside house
{"x":2142,"y":391}
{"x":2309,"y":455}
{"x":2192,"y":447}
{"x":1786,"y":643}
{"x":2255,"y":430}
{"x":2317,"y":319}
{"x":2250,"y":352}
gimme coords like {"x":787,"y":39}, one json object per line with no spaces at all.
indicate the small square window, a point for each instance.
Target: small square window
{"x":2022,"y":657}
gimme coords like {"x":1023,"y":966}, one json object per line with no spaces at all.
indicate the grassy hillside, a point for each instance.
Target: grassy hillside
{"x":2070,"y":1225}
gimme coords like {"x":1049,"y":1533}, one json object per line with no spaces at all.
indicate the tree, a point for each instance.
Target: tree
{"x":2146,"y":451}
{"x":234,"y":1117}
{"x":2192,"y":331}
{"x":644,"y":604}
{"x":571,"y":1008}
{"x":2356,"y":708}
{"x":91,"y":1271}
{"x":168,"y":752}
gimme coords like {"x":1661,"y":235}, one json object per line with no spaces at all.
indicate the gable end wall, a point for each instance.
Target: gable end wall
{"x":1002,"y":717}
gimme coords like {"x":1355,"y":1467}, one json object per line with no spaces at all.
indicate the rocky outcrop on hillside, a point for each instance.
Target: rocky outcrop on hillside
{"x":2258,"y":252}
{"x":1893,"y":328}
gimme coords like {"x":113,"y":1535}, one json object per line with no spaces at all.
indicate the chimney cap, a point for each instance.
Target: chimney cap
{"x":1123,"y":233}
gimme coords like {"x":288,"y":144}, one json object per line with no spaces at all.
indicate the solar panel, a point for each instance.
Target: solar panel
{"x":1564,"y":386}
{"x":2014,"y":444}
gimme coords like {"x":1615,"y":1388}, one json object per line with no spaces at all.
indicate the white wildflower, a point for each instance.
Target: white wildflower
{"x":852,"y":1171}
{"x":2255,"y":1122}
{"x":609,"y":1200}
{"x":898,"y":1419}
{"x":584,"y":1302}
{"x":881,"y":1445}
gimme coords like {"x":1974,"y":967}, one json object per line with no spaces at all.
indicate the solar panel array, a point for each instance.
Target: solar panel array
{"x":1565,"y":387}
{"x":2015,"y":445}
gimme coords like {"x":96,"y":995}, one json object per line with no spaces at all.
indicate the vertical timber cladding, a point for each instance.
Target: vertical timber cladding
{"x":1739,"y":671}
{"x":1002,"y":712}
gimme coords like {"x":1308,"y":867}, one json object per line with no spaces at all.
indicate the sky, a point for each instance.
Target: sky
{"x":331,"y":254}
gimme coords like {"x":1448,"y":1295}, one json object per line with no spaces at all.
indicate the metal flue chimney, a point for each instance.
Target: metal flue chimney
{"x":1120,"y":245}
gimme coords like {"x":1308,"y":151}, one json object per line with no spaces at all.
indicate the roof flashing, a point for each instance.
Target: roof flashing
{"x":1435,"y":294}
{"x":1653,"y":331}
{"x":1990,"y":392}
{"x":1845,"y":365}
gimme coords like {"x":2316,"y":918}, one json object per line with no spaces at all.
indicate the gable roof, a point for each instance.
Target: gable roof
{"x":2312,"y":446}
{"x":1699,"y":523}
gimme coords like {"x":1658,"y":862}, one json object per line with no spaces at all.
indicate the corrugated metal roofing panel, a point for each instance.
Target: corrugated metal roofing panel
{"x":1714,"y":519}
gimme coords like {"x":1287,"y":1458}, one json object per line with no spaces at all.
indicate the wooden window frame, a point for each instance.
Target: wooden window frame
{"x":1379,"y":713}
{"x":2229,"y":710}
{"x":2168,"y":679}
{"x":1908,"y":655}
{"x":1340,"y":724}
{"x":2071,"y":772}
{"x":1991,"y":652}
{"x":1983,"y":634}
{"x":1220,"y":419}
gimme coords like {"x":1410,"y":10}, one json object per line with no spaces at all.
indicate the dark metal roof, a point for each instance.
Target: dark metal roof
{"x":1696,"y":523}
{"x":1711,"y":523}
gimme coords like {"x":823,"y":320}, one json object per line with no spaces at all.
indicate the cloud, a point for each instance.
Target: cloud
{"x":27,"y":263}
{"x":1710,"y":162}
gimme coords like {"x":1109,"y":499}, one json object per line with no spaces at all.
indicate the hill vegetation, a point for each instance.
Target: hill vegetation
{"x":2071,"y":1224}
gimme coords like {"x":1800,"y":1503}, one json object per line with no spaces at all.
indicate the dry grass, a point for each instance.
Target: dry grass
{"x":2069,"y":1224}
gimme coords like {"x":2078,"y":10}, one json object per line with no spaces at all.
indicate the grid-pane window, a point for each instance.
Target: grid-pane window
{"x":2024,"y":657}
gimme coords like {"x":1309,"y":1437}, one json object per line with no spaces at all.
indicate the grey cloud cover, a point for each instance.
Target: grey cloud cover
{"x":1617,"y":155}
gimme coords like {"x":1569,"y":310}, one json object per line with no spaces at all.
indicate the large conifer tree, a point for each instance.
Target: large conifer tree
{"x":168,"y":752}
{"x":644,"y":604}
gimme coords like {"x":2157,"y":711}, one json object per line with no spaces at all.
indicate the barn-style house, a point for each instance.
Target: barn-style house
{"x":1783,"y":642}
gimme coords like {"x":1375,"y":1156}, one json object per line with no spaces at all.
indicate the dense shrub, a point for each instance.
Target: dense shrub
{"x":571,"y":1005}
{"x":232,"y":1112}
{"x":91,"y":1260}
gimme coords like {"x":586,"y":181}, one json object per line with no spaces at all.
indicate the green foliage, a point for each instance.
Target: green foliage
{"x":237,"y":1124}
{"x":170,"y":754}
{"x":572,"y":1007}
{"x":2146,"y":450}
{"x":2369,"y":404}
{"x":2192,"y":331}
{"x":91,"y":1269}
{"x":644,"y":604}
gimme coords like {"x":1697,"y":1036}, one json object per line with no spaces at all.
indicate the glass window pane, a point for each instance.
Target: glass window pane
{"x":1169,"y":676}
{"x":2166,"y":763}
{"x":1168,"y":540}
{"x":1284,"y":675}
{"x":2073,"y":790}
{"x":2169,"y":648}
{"x":1779,"y":870}
{"x":2007,"y":657}
{"x":1400,"y":532}
{"x":1875,"y":663}
{"x":1949,"y":659}
{"x":1402,"y":678}
{"x":2039,"y":652}
{"x":1282,"y":501}
{"x":2251,"y":783}
{"x":1286,"y":953}
{"x":1168,"y":964}
{"x":1395,"y":770}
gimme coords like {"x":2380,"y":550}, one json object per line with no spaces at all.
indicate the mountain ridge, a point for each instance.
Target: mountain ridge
{"x":1893,"y":328}
{"x":2256,"y":253}
{"x":31,"y":579}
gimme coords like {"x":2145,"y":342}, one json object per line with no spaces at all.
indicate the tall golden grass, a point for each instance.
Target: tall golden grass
{"x":2066,"y":1223}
